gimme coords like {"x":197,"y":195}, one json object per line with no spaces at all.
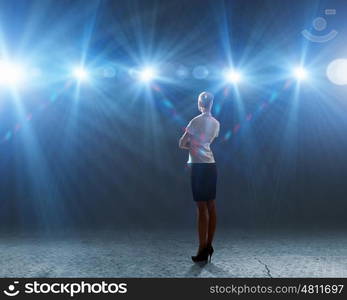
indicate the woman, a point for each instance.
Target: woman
{"x":198,"y":136}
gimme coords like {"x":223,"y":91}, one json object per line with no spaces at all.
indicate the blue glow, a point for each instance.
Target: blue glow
{"x":200,"y":72}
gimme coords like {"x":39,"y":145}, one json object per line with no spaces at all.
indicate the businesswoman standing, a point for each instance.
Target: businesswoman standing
{"x":199,"y":134}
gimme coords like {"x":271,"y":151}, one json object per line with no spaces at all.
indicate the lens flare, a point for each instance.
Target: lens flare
{"x":147,"y":74}
{"x":337,"y":71}
{"x":81,"y":74}
{"x":233,"y":76}
{"x":300,"y":73}
{"x":10,"y":74}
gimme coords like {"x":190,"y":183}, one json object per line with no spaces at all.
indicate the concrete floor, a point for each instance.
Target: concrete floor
{"x":167,"y":254}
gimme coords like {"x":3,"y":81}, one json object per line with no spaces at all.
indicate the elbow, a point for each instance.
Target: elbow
{"x":184,"y":146}
{"x":180,"y":144}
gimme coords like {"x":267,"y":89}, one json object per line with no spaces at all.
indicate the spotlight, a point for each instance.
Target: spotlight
{"x":233,"y":76}
{"x":147,"y":74}
{"x":80,"y":74}
{"x":300,"y":73}
{"x":10,"y":73}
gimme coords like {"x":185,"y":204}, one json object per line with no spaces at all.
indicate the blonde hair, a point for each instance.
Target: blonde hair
{"x":205,"y":100}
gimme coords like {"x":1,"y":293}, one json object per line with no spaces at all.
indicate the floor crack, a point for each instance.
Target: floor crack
{"x":266,"y":267}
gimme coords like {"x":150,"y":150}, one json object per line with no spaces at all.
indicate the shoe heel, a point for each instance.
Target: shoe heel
{"x":210,"y":251}
{"x":201,"y":256}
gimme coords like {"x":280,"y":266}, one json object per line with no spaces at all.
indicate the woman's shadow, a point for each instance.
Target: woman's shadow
{"x":196,"y":269}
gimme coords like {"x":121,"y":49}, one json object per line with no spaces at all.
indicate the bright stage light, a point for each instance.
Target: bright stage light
{"x":300,"y":73}
{"x":147,"y":74}
{"x":81,"y":74}
{"x":233,"y":76}
{"x":337,"y":71}
{"x":10,"y":73}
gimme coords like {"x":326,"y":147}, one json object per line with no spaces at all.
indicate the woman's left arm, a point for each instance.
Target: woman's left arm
{"x":184,"y":142}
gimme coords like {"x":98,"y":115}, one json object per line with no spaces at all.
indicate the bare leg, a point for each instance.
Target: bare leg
{"x":211,"y":206}
{"x":202,"y":213}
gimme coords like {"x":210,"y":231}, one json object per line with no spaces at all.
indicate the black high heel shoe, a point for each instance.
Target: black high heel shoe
{"x":210,"y":250}
{"x":201,"y":256}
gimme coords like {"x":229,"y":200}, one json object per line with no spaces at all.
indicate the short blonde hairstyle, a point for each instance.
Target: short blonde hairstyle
{"x":206,"y":99}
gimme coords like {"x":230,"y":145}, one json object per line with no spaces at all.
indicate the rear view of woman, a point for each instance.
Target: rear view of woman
{"x":199,"y":134}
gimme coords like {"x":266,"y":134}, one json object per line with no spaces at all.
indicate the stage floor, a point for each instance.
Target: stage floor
{"x":159,"y":253}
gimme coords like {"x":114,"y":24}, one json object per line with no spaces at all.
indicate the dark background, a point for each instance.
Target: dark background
{"x":107,"y":155}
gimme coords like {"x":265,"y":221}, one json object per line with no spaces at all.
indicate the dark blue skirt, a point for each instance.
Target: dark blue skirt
{"x":203,"y":181}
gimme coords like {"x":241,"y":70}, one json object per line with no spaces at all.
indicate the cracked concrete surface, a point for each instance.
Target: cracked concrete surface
{"x":160,"y":253}
{"x":266,"y":267}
